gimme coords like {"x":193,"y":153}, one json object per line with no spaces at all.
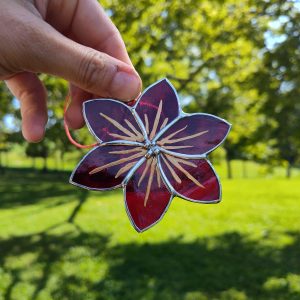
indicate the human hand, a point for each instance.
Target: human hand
{"x":73,"y":39}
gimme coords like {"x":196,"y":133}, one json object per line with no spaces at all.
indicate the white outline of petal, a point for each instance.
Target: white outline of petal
{"x":191,"y":156}
{"x":147,"y":89}
{"x":130,"y":173}
{"x":176,"y":194}
{"x":130,"y":109}
{"x":158,"y":220}
{"x":97,"y":189}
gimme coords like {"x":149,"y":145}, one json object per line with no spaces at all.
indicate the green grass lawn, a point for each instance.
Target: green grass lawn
{"x":60,"y":242}
{"x":248,"y":169}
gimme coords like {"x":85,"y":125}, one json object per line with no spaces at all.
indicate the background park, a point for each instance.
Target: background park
{"x":239,"y":60}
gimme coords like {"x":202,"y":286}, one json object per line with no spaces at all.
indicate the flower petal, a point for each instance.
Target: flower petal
{"x":147,"y":197}
{"x":110,"y":120}
{"x":158,"y":106}
{"x":194,"y":135}
{"x":105,"y":167}
{"x":194,"y":180}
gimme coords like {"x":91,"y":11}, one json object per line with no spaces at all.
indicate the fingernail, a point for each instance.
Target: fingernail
{"x":35,"y":134}
{"x":125,"y":86}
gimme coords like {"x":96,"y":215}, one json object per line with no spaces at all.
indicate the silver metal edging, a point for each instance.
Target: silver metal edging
{"x":99,"y":99}
{"x":168,"y":185}
{"x":132,"y":170}
{"x":122,"y":143}
{"x":86,"y":187}
{"x":162,"y":215}
{"x":141,"y":125}
{"x":176,"y":194}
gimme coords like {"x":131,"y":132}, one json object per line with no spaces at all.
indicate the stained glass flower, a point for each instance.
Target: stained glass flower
{"x":153,"y":150}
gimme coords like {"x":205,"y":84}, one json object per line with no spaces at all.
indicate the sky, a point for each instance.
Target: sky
{"x":271,"y":40}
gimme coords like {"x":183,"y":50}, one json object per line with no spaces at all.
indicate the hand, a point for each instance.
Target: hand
{"x":73,"y":39}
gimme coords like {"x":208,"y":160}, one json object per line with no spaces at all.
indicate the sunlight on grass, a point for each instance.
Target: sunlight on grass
{"x":241,"y":169}
{"x":61,"y":242}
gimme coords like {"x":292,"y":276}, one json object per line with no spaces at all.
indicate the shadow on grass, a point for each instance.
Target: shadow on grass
{"x":25,"y":187}
{"x":20,"y":187}
{"x":74,"y":264}
{"x":83,"y":265}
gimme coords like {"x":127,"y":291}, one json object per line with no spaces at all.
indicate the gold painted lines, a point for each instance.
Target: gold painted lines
{"x":166,"y":139}
{"x":118,"y":162}
{"x":150,"y":180}
{"x":146,"y":123}
{"x":164,"y":123}
{"x":130,"y":136}
{"x":173,"y":173}
{"x":156,"y":120}
{"x":169,"y":140}
{"x":176,"y":163}
{"x":149,"y":161}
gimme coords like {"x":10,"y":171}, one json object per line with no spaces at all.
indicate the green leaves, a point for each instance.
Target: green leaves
{"x":236,"y":59}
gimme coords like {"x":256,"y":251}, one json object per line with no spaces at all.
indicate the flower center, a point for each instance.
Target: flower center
{"x":153,"y":149}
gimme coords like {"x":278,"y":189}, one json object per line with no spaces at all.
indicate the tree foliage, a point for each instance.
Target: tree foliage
{"x":239,"y":60}
{"x":278,"y":80}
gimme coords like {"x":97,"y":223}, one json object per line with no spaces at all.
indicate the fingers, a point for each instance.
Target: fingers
{"x":89,"y":69}
{"x":74,"y":115}
{"x":40,"y":48}
{"x":98,"y":32}
{"x":32,"y":95}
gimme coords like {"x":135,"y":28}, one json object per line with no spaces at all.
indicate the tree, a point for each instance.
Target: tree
{"x":278,"y":81}
{"x":209,"y":49}
{"x":41,"y":149}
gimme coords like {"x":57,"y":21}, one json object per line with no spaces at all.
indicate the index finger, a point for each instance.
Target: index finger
{"x":86,"y":22}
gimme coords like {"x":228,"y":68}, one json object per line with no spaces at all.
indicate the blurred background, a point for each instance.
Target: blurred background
{"x":239,"y":60}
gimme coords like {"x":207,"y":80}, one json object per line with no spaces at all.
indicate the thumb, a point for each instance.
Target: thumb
{"x":87,"y":68}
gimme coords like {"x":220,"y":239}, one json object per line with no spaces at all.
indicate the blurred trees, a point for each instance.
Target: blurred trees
{"x":41,"y":149}
{"x":236,"y":59}
{"x":209,"y":49}
{"x":5,"y":108}
{"x":278,"y":80}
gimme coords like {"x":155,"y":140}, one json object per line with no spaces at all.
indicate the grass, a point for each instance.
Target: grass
{"x":61,"y":242}
{"x":247,"y":169}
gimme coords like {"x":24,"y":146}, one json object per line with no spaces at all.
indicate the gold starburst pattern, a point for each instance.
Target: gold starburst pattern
{"x":174,"y":164}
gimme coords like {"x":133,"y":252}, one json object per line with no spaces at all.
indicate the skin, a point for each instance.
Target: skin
{"x":72,"y":39}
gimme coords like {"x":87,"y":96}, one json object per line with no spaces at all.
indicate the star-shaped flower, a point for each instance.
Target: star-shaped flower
{"x":153,"y":150}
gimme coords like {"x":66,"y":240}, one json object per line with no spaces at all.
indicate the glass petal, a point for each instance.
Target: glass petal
{"x":192,"y":179}
{"x":105,"y":167}
{"x":195,"y":134}
{"x":110,"y":120}
{"x":147,"y":197}
{"x":158,"y":106}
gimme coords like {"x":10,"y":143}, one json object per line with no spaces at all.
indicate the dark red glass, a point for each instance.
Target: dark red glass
{"x":102,"y":156}
{"x":159,"y":96}
{"x":100,"y":117}
{"x":196,"y":134}
{"x":202,"y":172}
{"x":144,"y":216}
{"x":147,"y":195}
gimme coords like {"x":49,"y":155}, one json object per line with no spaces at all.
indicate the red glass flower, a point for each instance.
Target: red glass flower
{"x":153,"y":150}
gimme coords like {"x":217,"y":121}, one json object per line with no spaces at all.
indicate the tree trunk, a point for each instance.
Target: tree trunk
{"x":45,"y":164}
{"x":244,"y":165}
{"x":33,"y":163}
{"x":6,"y":159}
{"x":1,"y":163}
{"x":229,"y":169}
{"x":289,"y":170}
{"x":56,"y":158}
{"x":62,"y":156}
